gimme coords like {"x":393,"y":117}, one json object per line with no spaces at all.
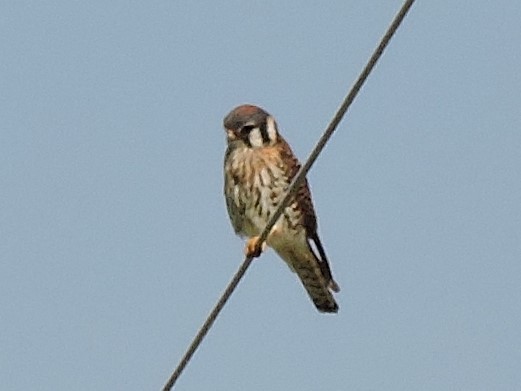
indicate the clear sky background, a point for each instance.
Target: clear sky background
{"x":114,"y":238}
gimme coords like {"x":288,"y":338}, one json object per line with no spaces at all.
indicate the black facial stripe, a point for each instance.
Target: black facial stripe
{"x":264,"y":133}
{"x":246,"y":129}
{"x":244,"y":133}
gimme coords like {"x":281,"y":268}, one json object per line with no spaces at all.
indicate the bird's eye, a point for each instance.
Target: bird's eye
{"x":247,"y":129}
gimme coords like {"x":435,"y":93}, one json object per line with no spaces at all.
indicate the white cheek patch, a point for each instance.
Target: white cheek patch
{"x":255,"y":138}
{"x":272,"y":129}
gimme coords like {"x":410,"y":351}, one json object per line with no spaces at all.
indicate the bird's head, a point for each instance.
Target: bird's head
{"x":251,"y":125}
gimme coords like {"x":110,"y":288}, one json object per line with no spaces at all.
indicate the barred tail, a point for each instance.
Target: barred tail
{"x":308,"y":269}
{"x":317,"y":287}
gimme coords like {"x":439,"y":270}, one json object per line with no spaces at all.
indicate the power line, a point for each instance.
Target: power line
{"x":291,"y":191}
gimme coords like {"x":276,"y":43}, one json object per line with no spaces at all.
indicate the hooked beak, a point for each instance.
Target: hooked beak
{"x":231,"y":134}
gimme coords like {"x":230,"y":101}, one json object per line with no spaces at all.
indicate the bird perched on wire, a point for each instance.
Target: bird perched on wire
{"x":258,"y":168}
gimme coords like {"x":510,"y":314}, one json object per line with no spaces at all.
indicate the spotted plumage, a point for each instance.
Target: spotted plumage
{"x":258,"y":168}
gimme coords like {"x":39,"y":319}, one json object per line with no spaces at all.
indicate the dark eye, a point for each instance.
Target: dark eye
{"x":246,"y":129}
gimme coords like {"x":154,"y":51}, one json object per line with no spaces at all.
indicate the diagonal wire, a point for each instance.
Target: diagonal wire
{"x":291,"y":190}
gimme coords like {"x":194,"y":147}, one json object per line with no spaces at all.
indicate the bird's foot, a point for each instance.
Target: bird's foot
{"x":254,"y":248}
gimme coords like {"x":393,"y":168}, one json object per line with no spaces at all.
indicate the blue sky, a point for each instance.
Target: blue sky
{"x":115,"y":241}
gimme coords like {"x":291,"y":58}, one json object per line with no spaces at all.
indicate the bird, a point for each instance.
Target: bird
{"x":259,"y":166}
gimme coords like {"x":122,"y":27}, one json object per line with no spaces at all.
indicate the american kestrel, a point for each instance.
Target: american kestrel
{"x":258,"y":168}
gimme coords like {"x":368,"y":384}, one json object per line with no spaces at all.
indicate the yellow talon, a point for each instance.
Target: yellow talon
{"x":253,"y":247}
